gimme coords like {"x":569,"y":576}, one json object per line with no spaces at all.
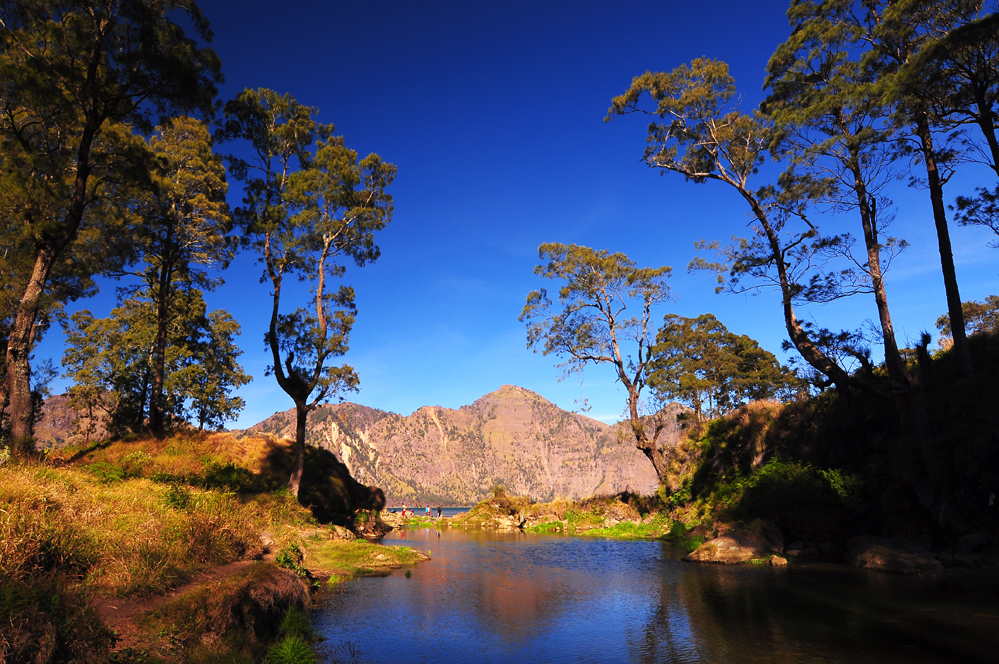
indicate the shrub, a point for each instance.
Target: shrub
{"x":291,"y":650}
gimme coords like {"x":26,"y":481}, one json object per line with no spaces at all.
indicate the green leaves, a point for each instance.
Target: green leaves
{"x":308,"y":201}
{"x":598,"y":287}
{"x":697,"y":361}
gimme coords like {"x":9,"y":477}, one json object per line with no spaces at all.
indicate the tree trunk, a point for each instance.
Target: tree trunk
{"x":799,"y":337}
{"x":908,"y":403}
{"x":954,"y":310}
{"x":19,"y":346}
{"x":22,"y":335}
{"x":156,"y":415}
{"x":301,"y":415}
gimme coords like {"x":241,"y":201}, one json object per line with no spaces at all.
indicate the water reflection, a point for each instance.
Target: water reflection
{"x":492,"y":597}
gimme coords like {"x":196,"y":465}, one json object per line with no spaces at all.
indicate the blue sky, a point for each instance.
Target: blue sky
{"x":493,"y":113}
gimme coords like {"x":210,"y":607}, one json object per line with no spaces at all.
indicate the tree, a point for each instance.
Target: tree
{"x":68,"y":70}
{"x":113,"y":362}
{"x":183,"y":231}
{"x":980,"y":317}
{"x":698,"y":362}
{"x":214,"y":377}
{"x":930,"y":105}
{"x":305,"y":206}
{"x":961,"y":68}
{"x":588,"y":325}
{"x":831,"y":122}
{"x":704,"y":137}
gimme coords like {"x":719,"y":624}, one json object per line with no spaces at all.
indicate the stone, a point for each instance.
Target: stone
{"x":740,"y":544}
{"x":891,"y":555}
{"x":778,"y":561}
{"x":341,"y":533}
{"x":974,"y":543}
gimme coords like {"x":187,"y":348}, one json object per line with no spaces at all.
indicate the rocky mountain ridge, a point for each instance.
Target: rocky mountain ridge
{"x":512,"y":437}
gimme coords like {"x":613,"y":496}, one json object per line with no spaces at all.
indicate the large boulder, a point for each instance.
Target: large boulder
{"x":891,"y":555}
{"x":740,"y":544}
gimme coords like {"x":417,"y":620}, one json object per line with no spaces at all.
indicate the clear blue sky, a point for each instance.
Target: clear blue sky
{"x":493,"y":113}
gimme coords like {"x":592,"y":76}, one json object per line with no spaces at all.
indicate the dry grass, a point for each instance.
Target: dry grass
{"x":137,"y":518}
{"x":122,"y":538}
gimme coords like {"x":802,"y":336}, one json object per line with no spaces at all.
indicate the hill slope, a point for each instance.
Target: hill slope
{"x":511,"y":436}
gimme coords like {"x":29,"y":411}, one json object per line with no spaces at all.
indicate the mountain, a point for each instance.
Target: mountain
{"x":512,"y":437}
{"x":55,"y":429}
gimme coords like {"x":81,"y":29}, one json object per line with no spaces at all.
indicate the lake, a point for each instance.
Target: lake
{"x":518,"y":597}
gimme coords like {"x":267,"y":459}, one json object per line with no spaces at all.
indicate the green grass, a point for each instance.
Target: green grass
{"x":348,"y":559}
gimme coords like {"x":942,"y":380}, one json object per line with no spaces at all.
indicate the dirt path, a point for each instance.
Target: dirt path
{"x":121,"y":614}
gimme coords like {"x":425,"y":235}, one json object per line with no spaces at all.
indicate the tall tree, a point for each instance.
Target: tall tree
{"x":957,"y":76}
{"x":306,"y":207}
{"x":927,"y":106}
{"x":67,"y":70}
{"x":589,"y":324}
{"x":704,"y":137}
{"x":217,"y":374}
{"x":833,"y":123}
{"x":183,"y":232}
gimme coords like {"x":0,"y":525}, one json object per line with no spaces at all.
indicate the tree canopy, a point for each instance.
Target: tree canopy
{"x":698,"y":362}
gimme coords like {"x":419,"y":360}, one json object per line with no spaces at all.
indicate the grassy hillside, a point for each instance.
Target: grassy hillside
{"x":126,"y":523}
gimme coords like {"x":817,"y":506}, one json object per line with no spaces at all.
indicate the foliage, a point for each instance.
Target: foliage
{"x":979,"y":317}
{"x":589,"y":324}
{"x":302,"y":221}
{"x":47,"y":621}
{"x":291,"y":650}
{"x":703,"y":136}
{"x":113,"y":363}
{"x":182,"y":233}
{"x":699,"y":362}
{"x":76,"y":78}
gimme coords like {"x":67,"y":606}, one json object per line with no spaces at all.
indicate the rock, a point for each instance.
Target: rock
{"x":891,"y":555}
{"x":974,"y":543}
{"x":795,"y":549}
{"x":778,"y":561}
{"x":341,"y":533}
{"x":740,"y":545}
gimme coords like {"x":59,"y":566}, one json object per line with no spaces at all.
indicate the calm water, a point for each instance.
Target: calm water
{"x":495,"y":597}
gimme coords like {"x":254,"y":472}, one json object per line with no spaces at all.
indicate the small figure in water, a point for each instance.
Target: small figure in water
{"x":428,"y":511}
{"x":404,"y":510}
{"x":438,"y":511}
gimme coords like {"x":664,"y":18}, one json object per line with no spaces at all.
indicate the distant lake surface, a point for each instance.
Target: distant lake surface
{"x":516,"y":597}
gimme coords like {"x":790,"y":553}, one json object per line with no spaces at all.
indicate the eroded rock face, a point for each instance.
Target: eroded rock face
{"x":891,"y":555}
{"x":511,"y":436}
{"x":740,"y":544}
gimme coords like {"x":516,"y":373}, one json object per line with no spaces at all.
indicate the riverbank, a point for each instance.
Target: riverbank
{"x":175,"y":550}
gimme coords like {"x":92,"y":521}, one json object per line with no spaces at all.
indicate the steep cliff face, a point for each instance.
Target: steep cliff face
{"x":511,"y":436}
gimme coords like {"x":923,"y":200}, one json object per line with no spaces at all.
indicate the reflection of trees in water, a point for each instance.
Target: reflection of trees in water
{"x":715,"y":613}
{"x":711,"y":613}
